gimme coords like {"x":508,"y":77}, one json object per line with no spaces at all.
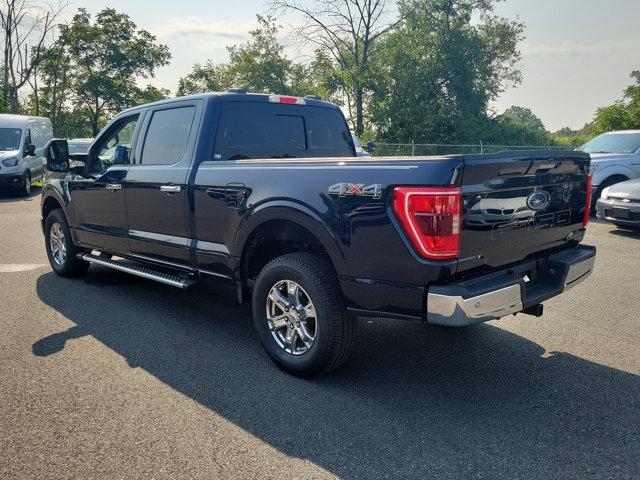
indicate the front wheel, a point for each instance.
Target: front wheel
{"x":26,"y":188}
{"x":300,"y":315}
{"x":60,"y":247}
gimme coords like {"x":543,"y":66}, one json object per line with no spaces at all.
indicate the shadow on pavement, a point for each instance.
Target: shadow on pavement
{"x":412,"y":401}
{"x":10,"y":196}
{"x":626,"y":233}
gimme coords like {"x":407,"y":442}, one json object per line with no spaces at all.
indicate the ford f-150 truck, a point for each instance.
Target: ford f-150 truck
{"x":266,"y":192}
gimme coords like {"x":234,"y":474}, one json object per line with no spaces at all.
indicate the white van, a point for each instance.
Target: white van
{"x":22,"y":142}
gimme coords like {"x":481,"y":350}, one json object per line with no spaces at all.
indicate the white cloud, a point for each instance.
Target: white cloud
{"x":194,"y":26}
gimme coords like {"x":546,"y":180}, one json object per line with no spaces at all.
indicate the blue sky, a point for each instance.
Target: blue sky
{"x":577,"y":54}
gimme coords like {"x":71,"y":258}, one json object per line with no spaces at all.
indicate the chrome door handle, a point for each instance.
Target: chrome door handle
{"x":171,"y":188}
{"x":113,"y":186}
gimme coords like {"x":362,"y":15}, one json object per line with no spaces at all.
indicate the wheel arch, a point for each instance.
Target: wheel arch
{"x":51,"y":202}
{"x":280,"y":229}
{"x":612,"y":171}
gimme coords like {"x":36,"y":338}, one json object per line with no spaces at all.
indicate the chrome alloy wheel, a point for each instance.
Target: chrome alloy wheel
{"x":291,"y":317}
{"x":57,"y":244}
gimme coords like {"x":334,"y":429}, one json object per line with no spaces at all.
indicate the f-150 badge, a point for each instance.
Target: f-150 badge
{"x":357,"y":189}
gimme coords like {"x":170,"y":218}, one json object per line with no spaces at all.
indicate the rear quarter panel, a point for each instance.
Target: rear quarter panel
{"x":358,"y":231}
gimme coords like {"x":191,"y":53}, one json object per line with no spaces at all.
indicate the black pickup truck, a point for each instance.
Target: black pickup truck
{"x":265,"y":192}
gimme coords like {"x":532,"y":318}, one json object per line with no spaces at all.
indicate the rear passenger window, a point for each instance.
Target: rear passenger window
{"x":167,"y":136}
{"x":263,"y":130}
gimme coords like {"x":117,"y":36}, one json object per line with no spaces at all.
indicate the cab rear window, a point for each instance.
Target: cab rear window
{"x":260,"y":130}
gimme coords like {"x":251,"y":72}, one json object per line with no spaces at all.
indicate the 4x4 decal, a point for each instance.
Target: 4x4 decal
{"x":358,"y":189}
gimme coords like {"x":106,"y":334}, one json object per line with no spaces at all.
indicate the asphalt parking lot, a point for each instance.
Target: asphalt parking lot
{"x":111,"y":376}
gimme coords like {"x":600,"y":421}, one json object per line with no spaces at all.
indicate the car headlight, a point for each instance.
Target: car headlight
{"x":593,"y":169}
{"x":10,"y":162}
{"x":605,"y":194}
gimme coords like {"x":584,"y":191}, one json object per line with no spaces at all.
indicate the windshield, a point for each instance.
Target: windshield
{"x":10,"y":139}
{"x":613,"y":143}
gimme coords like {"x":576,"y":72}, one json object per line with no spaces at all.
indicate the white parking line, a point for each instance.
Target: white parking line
{"x":19,"y":267}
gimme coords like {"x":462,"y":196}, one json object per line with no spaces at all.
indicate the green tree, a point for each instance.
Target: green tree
{"x":348,"y":31}
{"x":441,"y":68}
{"x":523,"y":116}
{"x":621,"y":115}
{"x":612,"y":117}
{"x":517,"y":126}
{"x":209,"y":77}
{"x":632,"y":95}
{"x":258,"y":65}
{"x":105,"y":59}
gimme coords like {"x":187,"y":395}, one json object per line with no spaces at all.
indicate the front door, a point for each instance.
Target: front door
{"x":98,"y":196}
{"x":156,"y":184}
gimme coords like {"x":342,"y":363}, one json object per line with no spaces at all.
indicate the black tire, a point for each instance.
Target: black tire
{"x":26,"y":188}
{"x":72,"y":266}
{"x":335,"y":329}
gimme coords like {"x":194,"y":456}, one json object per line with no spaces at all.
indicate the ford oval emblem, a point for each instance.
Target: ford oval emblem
{"x":538,"y":200}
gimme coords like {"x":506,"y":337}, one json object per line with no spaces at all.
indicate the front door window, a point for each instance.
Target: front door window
{"x":115,"y":148}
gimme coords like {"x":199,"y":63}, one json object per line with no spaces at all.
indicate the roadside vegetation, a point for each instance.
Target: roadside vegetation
{"x":423,"y":71}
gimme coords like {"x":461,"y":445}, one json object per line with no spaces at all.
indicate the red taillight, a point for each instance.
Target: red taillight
{"x":289,"y":100}
{"x":431,"y":219}
{"x":587,"y":210}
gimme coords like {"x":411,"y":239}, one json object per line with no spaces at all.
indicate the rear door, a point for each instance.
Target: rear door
{"x":156,"y":185}
{"x":519,"y":203}
{"x":256,"y":130}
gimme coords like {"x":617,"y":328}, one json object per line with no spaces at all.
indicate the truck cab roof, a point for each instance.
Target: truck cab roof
{"x":237,"y":95}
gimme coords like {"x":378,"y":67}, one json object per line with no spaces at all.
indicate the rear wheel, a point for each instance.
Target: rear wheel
{"x":60,"y":247}
{"x":300,"y":315}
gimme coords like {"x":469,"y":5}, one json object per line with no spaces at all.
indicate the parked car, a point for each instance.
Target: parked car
{"x":615,"y":157}
{"x":78,"y":145}
{"x":22,"y":142}
{"x":620,"y":204}
{"x":265,"y":192}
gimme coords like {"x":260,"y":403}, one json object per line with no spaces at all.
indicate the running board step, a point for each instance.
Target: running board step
{"x":133,"y":269}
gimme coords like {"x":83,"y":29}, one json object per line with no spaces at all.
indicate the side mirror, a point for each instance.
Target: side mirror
{"x":371,"y":146}
{"x":57,"y":156}
{"x":30,"y":150}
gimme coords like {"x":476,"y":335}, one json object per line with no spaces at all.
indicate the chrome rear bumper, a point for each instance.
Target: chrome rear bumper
{"x":507,"y":292}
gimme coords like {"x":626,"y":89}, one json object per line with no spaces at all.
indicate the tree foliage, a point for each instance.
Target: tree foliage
{"x":105,"y":58}
{"x":440,"y":70}
{"x":26,"y":30}
{"x":622,"y":114}
{"x":258,"y":65}
{"x":348,"y":32}
{"x":426,"y":71}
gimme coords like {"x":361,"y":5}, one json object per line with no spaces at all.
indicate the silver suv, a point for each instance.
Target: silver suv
{"x":615,"y":157}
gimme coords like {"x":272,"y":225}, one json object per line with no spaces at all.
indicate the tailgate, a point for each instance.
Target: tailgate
{"x":516,"y":204}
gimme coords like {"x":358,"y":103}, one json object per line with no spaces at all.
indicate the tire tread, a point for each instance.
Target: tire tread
{"x":343,"y":326}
